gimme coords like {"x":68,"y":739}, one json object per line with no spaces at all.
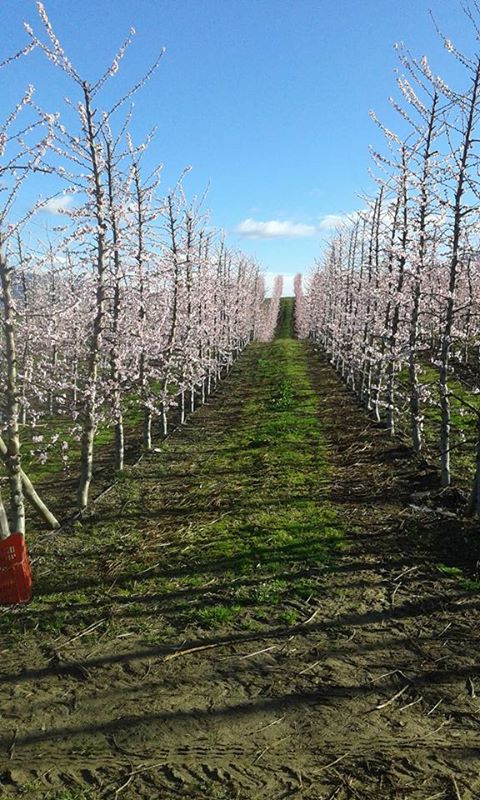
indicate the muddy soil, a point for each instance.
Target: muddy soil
{"x":371,"y":690}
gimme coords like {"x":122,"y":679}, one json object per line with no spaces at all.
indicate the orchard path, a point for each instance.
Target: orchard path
{"x":253,"y":612}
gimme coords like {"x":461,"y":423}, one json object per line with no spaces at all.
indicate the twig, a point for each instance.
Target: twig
{"x":385,"y":675}
{"x":258,"y":652}
{"x":275,"y":722}
{"x":405,"y":572}
{"x":124,"y":786}
{"x":441,"y":658}
{"x":112,"y":586}
{"x":392,"y":699}
{"x":86,"y":630}
{"x":332,"y":763}
{"x":193,"y":650}
{"x":392,"y":599}
{"x":444,"y":630}
{"x":153,"y":566}
{"x":435,"y":706}
{"x":148,"y":670}
{"x":413,"y":703}
{"x":262,"y":753}
{"x":11,"y":748}
{"x":310,"y":666}
{"x":312,"y":617}
{"x":439,"y":728}
{"x":334,"y":793}
{"x":137,"y":771}
{"x":456,"y":789}
{"x":285,"y":644}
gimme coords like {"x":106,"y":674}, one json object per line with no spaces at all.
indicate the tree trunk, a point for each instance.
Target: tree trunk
{"x":119,"y":444}
{"x":164,"y":419}
{"x":414,"y":385}
{"x":87,"y":442}
{"x":182,"y":407}
{"x":30,"y":493}
{"x":446,"y":341}
{"x":75,"y":384}
{"x":364,"y":391}
{"x":90,"y":401}
{"x":147,"y":429}
{"x":12,"y":459}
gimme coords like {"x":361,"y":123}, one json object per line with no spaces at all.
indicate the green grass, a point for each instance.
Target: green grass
{"x":467,"y":584}
{"x":54,"y":432}
{"x":463,"y":419}
{"x":284,"y":328}
{"x":289,"y":617}
{"x":225,"y":529}
{"x":216,"y":616}
{"x":451,"y":571}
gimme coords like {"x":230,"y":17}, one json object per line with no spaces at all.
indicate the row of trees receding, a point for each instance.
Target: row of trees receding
{"x":395,"y":300}
{"x":134,"y":306}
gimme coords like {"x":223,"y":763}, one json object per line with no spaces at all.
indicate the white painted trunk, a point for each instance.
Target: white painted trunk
{"x":147,"y":429}
{"x":164,"y":420}
{"x":12,"y":459}
{"x":182,"y":408}
{"x":119,"y":445}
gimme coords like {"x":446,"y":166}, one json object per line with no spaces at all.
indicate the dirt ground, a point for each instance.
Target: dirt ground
{"x":369,"y":689}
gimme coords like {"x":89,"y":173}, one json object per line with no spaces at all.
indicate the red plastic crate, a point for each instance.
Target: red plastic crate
{"x":15,"y":573}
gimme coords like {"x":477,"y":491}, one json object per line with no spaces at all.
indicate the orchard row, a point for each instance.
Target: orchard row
{"x":134,"y":306}
{"x":395,"y":299}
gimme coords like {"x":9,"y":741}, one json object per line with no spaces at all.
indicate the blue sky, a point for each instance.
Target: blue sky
{"x":267,"y":100}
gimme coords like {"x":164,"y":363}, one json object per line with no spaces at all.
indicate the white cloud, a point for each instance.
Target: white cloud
{"x":330,"y":221}
{"x":273,"y":229}
{"x":57,"y":204}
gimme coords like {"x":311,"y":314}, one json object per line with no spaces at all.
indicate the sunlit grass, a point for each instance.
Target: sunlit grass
{"x":226,"y":528}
